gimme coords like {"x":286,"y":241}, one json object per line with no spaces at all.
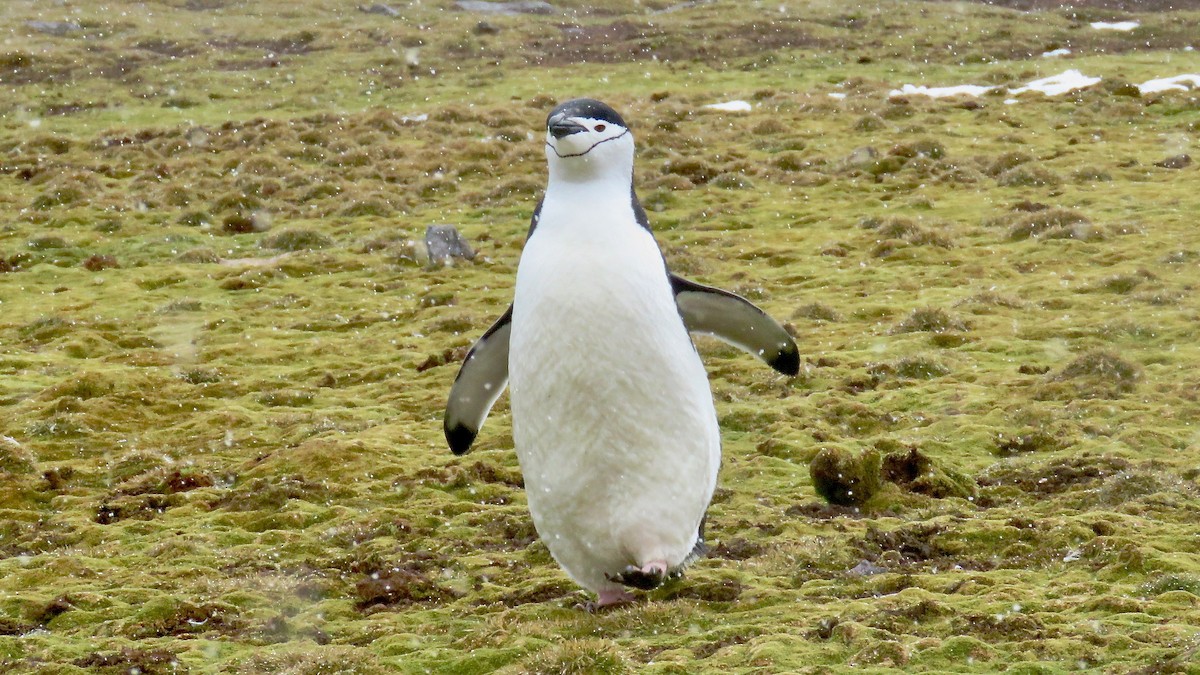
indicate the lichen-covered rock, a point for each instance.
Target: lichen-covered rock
{"x":845,"y":478}
{"x":444,"y":244}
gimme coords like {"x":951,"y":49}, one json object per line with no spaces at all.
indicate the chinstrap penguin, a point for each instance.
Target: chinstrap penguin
{"x":613,"y":419}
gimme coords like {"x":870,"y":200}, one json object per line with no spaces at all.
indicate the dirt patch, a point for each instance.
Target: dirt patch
{"x":140,"y":507}
{"x":168,"y":48}
{"x":273,"y":492}
{"x":709,"y":648}
{"x":462,"y":475}
{"x":297,"y":43}
{"x":822,"y":511}
{"x":624,"y":41}
{"x":737,"y":549}
{"x":913,"y":544}
{"x":130,"y":660}
{"x":1116,"y":5}
{"x":1006,"y":627}
{"x":1054,"y":476}
{"x":914,"y":471}
{"x":397,"y":587}
{"x":542,"y":592}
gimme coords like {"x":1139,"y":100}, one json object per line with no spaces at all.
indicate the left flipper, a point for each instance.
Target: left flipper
{"x":737,"y":321}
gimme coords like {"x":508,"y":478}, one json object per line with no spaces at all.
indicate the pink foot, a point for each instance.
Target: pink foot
{"x":613,"y":597}
{"x":608,"y":598}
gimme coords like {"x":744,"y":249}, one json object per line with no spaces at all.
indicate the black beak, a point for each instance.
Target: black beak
{"x":561,"y":127}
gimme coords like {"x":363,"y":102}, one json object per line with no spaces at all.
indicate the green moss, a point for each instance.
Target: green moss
{"x":58,"y":196}
{"x":1027,"y":176}
{"x":296,"y":239}
{"x":930,"y":320}
{"x":212,"y":455}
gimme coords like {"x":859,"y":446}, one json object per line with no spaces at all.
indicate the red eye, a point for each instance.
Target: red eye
{"x":600,"y":127}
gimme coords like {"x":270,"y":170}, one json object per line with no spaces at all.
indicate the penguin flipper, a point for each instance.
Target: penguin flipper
{"x":737,"y":321}
{"x":480,"y":381}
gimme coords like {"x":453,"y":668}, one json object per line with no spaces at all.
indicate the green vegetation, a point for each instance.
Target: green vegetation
{"x":223,"y":358}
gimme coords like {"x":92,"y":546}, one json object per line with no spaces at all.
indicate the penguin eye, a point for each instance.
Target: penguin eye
{"x":600,"y":127}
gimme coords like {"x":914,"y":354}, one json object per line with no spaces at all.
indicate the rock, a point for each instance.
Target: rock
{"x":444,"y":243}
{"x":53,"y":27}
{"x":505,"y":8}
{"x":866,"y":568}
{"x":1176,"y":162}
{"x":486,"y":28}
{"x":862,"y":157}
{"x":385,"y":10}
{"x":682,"y":6}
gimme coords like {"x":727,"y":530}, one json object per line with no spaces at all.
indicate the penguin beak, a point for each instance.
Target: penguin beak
{"x":561,"y":127}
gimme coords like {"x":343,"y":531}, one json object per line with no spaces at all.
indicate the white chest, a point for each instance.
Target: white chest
{"x":613,"y":418}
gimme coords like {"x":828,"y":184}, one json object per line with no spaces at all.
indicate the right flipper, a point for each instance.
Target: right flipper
{"x":480,"y":381}
{"x":737,"y":321}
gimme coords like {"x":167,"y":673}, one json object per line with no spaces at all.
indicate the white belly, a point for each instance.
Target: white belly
{"x":613,"y":418}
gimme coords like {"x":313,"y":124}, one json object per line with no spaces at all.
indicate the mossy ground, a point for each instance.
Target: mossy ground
{"x":224,"y":362}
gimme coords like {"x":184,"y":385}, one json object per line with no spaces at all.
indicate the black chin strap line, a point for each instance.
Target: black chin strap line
{"x":580,"y":154}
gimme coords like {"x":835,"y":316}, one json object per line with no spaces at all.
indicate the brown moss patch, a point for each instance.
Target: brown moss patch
{"x":1055,"y":476}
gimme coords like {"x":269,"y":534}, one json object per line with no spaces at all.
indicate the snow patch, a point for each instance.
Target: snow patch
{"x":1177,"y":83}
{"x":1115,"y":25}
{"x":941,"y":92}
{"x":1054,"y":85}
{"x":1056,"y":53}
{"x":837,"y":94}
{"x":730,"y":106}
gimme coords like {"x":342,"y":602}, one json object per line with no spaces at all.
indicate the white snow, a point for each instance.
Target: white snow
{"x":730,"y":106}
{"x":1057,"y":52}
{"x":940,"y":92}
{"x":1054,"y":85}
{"x":837,"y":94}
{"x":1177,"y":83}
{"x":1115,"y":25}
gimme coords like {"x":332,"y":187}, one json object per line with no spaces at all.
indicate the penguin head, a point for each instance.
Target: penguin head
{"x":586,"y":140}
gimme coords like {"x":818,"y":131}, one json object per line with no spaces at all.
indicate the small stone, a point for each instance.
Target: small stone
{"x":866,"y":568}
{"x":505,"y":8}
{"x":444,"y":243}
{"x":486,"y":28}
{"x":58,"y":28}
{"x":380,"y":8}
{"x":862,"y":157}
{"x":1176,"y":162}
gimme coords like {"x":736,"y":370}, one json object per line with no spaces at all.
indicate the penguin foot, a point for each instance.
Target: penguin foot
{"x":647,"y":577}
{"x":607,"y":600}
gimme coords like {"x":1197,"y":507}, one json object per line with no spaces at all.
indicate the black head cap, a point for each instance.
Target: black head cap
{"x":588,"y":108}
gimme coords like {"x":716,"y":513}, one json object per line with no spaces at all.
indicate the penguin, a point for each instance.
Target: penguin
{"x":613,"y":419}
